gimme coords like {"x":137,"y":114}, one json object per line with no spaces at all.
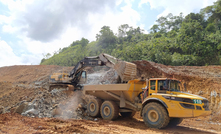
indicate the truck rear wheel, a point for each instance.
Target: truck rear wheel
{"x":155,"y":115}
{"x":128,"y":114}
{"x":94,"y":107}
{"x":109,"y":110}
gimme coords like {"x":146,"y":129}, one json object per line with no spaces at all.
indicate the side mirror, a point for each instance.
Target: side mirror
{"x":184,"y":86}
{"x":83,"y":78}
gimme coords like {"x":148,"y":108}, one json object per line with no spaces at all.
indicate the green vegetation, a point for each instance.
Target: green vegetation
{"x":175,"y":40}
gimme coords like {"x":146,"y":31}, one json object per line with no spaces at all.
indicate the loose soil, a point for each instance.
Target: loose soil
{"x":28,"y":85}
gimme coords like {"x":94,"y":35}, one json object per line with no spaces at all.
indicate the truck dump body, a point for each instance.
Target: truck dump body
{"x":115,"y":92}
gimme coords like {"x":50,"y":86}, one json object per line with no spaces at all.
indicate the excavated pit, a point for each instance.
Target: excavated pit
{"x":24,"y":89}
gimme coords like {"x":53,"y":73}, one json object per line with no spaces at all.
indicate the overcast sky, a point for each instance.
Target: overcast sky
{"x":31,"y":28}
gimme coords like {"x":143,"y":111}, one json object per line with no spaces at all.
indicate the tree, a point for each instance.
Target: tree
{"x":83,"y":42}
{"x":213,"y":13}
{"x":106,"y":39}
{"x":122,"y":30}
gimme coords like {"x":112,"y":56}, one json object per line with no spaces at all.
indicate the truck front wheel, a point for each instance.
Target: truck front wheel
{"x":93,"y":107}
{"x":155,"y":115}
{"x":109,"y":110}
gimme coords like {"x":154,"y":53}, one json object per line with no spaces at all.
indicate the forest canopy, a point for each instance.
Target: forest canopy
{"x":194,"y":39}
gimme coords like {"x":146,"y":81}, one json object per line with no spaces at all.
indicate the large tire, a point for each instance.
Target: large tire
{"x":109,"y":110}
{"x":175,"y":121}
{"x":128,"y":114}
{"x":93,"y":107}
{"x":155,"y":115}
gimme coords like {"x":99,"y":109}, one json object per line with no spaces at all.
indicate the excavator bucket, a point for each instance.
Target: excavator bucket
{"x":126,"y":70}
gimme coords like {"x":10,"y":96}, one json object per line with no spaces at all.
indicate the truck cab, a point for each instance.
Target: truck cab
{"x":169,"y":95}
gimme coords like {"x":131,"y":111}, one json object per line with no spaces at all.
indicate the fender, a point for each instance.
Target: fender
{"x":156,"y":100}
{"x":152,"y":100}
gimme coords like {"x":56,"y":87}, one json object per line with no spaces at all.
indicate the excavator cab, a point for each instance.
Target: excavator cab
{"x":83,"y":78}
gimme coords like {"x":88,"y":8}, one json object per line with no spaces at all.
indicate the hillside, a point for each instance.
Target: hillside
{"x":192,"y":40}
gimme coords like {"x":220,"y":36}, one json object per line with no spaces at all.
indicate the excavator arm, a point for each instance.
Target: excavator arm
{"x":125,"y":70}
{"x":86,"y":62}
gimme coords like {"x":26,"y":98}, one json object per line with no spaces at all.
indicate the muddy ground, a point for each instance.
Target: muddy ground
{"x":28,"y":106}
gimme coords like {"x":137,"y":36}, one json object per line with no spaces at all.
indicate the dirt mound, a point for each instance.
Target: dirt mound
{"x":24,"y":87}
{"x":26,"y":74}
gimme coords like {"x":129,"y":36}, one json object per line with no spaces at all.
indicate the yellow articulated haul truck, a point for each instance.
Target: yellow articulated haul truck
{"x":160,"y":101}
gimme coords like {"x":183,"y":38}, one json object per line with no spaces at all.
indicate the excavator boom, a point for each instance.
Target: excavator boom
{"x":126,"y":70}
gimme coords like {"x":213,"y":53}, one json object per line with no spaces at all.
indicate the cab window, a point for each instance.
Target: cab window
{"x":162,"y":85}
{"x":83,"y":75}
{"x":152,"y":84}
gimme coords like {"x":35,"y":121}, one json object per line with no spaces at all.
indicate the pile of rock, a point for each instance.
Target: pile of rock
{"x":102,"y":77}
{"x":43,"y":104}
{"x":109,"y":77}
{"x":59,"y":103}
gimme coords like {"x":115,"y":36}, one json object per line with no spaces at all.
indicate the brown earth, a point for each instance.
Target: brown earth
{"x":19,"y":84}
{"x":17,"y":124}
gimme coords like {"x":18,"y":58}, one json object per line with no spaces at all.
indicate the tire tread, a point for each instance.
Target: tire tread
{"x":165,"y":116}
{"x":115,"y":108}
{"x":98,"y":103}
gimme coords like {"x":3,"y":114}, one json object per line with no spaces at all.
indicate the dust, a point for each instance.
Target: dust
{"x":69,"y":109}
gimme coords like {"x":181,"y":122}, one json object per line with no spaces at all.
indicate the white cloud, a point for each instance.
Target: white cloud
{"x":115,"y":19}
{"x":44,"y":26}
{"x":3,"y":19}
{"x":39,"y":48}
{"x":176,"y":6}
{"x":142,"y":2}
{"x":16,"y":5}
{"x":7,"y":56}
{"x":9,"y":29}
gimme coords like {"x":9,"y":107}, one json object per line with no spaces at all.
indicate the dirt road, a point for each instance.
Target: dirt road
{"x":17,"y":124}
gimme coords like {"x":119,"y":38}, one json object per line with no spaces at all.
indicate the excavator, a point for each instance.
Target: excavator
{"x":77,"y":76}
